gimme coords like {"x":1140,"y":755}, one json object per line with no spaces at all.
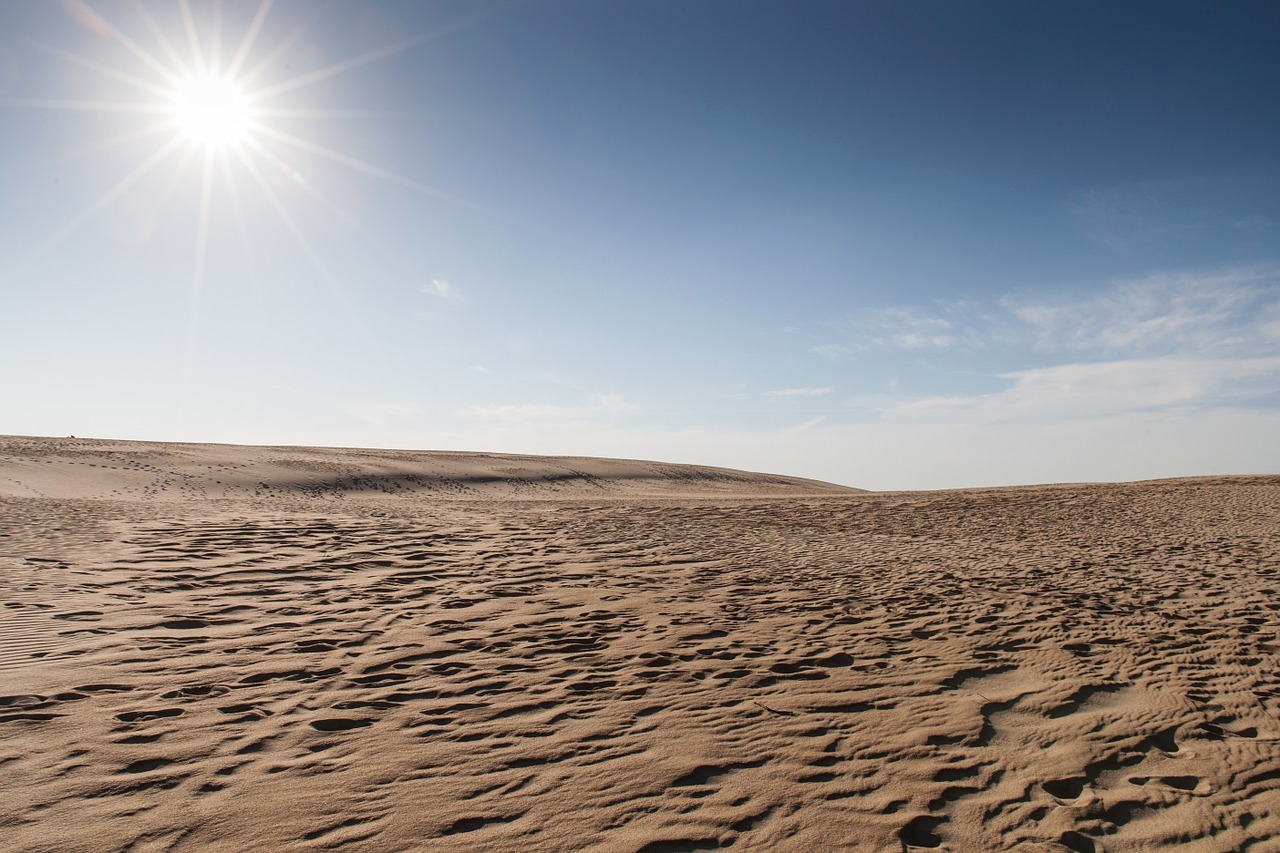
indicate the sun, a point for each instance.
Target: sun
{"x":204,"y":77}
{"x":211,"y":111}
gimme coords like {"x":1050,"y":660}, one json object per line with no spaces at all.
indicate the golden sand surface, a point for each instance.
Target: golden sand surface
{"x":217,"y":647}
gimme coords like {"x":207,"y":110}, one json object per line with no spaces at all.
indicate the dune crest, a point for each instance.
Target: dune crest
{"x":722,"y":661}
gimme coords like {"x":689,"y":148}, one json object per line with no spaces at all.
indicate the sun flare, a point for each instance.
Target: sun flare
{"x":204,"y":80}
{"x":211,"y":110}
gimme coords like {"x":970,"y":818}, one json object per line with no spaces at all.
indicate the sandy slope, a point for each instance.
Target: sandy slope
{"x":624,"y":659}
{"x":130,"y":470}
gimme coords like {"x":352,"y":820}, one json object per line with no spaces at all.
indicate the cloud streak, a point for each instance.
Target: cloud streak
{"x":903,"y":328}
{"x":793,"y":393}
{"x":1074,"y":391}
{"x":1206,"y":313}
{"x":1230,"y":312}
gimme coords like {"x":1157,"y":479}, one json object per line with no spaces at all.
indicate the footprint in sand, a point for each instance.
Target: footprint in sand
{"x":340,"y":724}
{"x":140,"y":716}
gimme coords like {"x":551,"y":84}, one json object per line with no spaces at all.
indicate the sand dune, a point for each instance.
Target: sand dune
{"x":128,"y":470}
{"x":207,"y":646}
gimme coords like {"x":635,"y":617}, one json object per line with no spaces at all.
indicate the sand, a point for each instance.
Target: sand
{"x":219,"y":647}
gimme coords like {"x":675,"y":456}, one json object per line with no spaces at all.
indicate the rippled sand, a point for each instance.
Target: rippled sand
{"x":270,"y":648}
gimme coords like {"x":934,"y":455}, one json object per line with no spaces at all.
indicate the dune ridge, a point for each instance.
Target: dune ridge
{"x":644,"y":661}
{"x":125,"y":470}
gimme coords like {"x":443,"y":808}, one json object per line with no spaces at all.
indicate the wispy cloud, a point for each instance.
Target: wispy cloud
{"x":596,"y":407}
{"x":1075,"y":391}
{"x":805,"y":426}
{"x":1213,"y":313}
{"x":955,"y":326}
{"x":1158,"y":218}
{"x":1174,"y":341}
{"x":1254,"y":224}
{"x":792,"y":393}
{"x":903,"y":327}
{"x":441,"y":289}
{"x":1137,"y":218}
{"x":1174,"y":313}
{"x":834,"y":352}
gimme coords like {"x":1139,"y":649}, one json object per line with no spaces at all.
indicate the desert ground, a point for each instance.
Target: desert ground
{"x":246,"y":648}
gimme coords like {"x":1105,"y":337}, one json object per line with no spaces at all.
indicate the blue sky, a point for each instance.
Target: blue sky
{"x":887,"y":244}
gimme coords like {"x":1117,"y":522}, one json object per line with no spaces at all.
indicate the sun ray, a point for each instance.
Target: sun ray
{"x":215,"y":37}
{"x":360,"y":165}
{"x":233,"y":196}
{"x":286,"y":112}
{"x":86,"y":106}
{"x":202,"y":248}
{"x":113,"y":141}
{"x":284,"y":169}
{"x":340,"y":67}
{"x":250,"y":36}
{"x":165,"y":44}
{"x":103,"y":201}
{"x":366,"y":58}
{"x":252,"y":74}
{"x":292,"y":227}
{"x":132,"y":46}
{"x":193,"y":40}
{"x":206,"y":205}
{"x":170,"y":187}
{"x":97,"y":67}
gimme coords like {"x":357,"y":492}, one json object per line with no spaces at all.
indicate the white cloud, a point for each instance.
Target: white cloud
{"x":791,"y":393}
{"x":440,"y":288}
{"x":835,"y":352}
{"x":1174,"y":341}
{"x":1173,"y":313}
{"x":1233,"y":312}
{"x":1073,"y":391}
{"x":903,"y":327}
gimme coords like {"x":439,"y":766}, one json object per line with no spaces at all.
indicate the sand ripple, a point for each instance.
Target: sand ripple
{"x":1060,"y":668}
